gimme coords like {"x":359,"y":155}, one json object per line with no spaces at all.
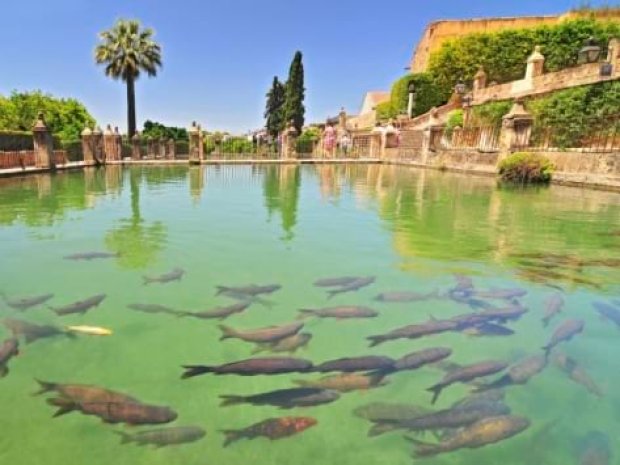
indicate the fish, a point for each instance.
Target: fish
{"x":173,"y":275}
{"x":268,"y":334}
{"x":389,"y":412}
{"x":117,"y":412}
{"x":251,"y":290}
{"x":503,"y":315}
{"x":507,"y":294}
{"x":8,"y":349}
{"x":342,"y":312}
{"x":565,"y":332}
{"x":416,"y":360}
{"x":608,"y":312}
{"x":519,"y":373}
{"x":336,"y":282}
{"x":476,"y":398}
{"x":488,"y":329}
{"x":553,"y":307}
{"x":482,"y":433}
{"x":285,"y":398}
{"x":346,"y":382}
{"x":164,"y":437}
{"x":577,"y":373}
{"x":31,"y":331}
{"x":247,"y":298}
{"x":466,"y":374}
{"x":26,"y":302}
{"x":219,"y":312}
{"x":81,"y":306}
{"x":415,"y":331}
{"x":155,"y":308}
{"x":272,"y":428}
{"x":91,"y":256}
{"x":352,"y":364}
{"x":290,"y":344}
{"x":251,"y":367}
{"x":594,"y":449}
{"x":398,"y":297}
{"x":353,"y":286}
{"x":90,"y":330}
{"x":84,"y":393}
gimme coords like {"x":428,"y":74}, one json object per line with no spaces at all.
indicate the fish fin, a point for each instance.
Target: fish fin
{"x":423,"y":449}
{"x":146,"y":280}
{"x":436,"y":390}
{"x":331,"y":294}
{"x":4,"y":371}
{"x":227,"y":332}
{"x":220,"y":289}
{"x":64,"y":406}
{"x":195,"y":370}
{"x":381,"y":427}
{"x":180,"y":314}
{"x":231,"y":400}
{"x":125,"y":437}
{"x":376,"y":340}
{"x":44,"y":387}
{"x":500,"y":383}
{"x":231,"y":436}
{"x":305,"y":313}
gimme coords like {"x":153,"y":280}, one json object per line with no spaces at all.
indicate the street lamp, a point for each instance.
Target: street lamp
{"x":590,"y":53}
{"x":412,"y":95}
{"x":460,"y":88}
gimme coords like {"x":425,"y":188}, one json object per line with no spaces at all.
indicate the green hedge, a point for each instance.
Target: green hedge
{"x":525,"y":168}
{"x":427,"y":96}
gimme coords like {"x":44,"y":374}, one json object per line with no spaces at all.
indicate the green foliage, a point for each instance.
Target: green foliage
{"x":66,"y":118}
{"x":236,"y":145}
{"x":311,"y":134}
{"x":503,"y":55}
{"x":455,"y":118}
{"x":155,"y":129}
{"x":73,"y":149}
{"x":525,"y":168}
{"x":428,"y":95}
{"x":274,"y":110}
{"x":386,"y":111}
{"x":294,"y":94}
{"x":490,"y":114}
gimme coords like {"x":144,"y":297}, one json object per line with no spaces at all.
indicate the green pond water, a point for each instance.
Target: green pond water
{"x":413,"y":230}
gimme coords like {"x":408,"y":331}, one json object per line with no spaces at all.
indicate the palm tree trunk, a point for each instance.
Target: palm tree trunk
{"x":131,"y":107}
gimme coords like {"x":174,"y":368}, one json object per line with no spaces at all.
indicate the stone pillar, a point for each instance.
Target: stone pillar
{"x":516,"y":129}
{"x":289,"y":142}
{"x":149,"y":146}
{"x":118,"y":144}
{"x":480,"y":80}
{"x":162,"y":148}
{"x":172,"y":150}
{"x":195,"y":144}
{"x":136,"y":150}
{"x":98,"y":152}
{"x":431,"y":133}
{"x":342,"y":120}
{"x":43,"y":144}
{"x":87,"y":146}
{"x":535,"y":64}
{"x":613,"y":56}
{"x":109,"y":146}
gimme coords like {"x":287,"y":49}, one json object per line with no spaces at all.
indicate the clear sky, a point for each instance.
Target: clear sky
{"x":220,"y":56}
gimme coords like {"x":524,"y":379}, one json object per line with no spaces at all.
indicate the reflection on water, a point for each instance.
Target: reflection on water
{"x":443,"y":281}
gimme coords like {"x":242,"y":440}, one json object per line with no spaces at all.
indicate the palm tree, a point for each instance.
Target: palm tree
{"x":126,"y":51}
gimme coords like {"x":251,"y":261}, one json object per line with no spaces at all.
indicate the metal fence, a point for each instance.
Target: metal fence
{"x":27,"y":158}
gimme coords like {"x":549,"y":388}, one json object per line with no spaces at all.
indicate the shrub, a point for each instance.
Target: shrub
{"x":490,"y":114}
{"x":525,"y":168}
{"x":428,"y":95}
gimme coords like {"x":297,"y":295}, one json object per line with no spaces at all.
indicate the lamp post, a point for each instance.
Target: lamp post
{"x":466,"y":99}
{"x":412,"y":96}
{"x":590,"y":53}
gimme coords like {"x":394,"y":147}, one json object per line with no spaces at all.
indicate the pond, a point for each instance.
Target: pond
{"x":483,"y":273}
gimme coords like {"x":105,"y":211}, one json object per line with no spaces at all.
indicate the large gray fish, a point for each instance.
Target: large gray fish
{"x":285,"y":398}
{"x":164,"y":437}
{"x":251,"y":290}
{"x":268,"y":334}
{"x":91,"y":256}
{"x":336,"y":282}
{"x":8,"y":349}
{"x":416,"y":360}
{"x":346,"y":382}
{"x":81,"y":306}
{"x":365,"y":363}
{"x":482,"y":433}
{"x":251,"y":367}
{"x":553,"y":307}
{"x":608,"y":312}
{"x":353,"y":286}
{"x":173,"y":275}
{"x":340,"y":313}
{"x":389,"y":412}
{"x":84,"y":393}
{"x":289,"y":344}
{"x":26,"y":302}
{"x":519,"y":373}
{"x":507,"y":294}
{"x":32,"y":332}
{"x":466,"y":374}
{"x":565,"y":332}
{"x":219,"y":312}
{"x":577,"y":373}
{"x":415,"y":331}
{"x":155,"y":308}
{"x":118,"y":412}
{"x":398,"y":297}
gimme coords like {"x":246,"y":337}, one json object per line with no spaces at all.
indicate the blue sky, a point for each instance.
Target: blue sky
{"x":220,"y":56}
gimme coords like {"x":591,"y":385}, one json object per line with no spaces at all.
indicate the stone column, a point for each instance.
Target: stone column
{"x":516,"y":129}
{"x":480,"y":80}
{"x":535,"y":64}
{"x":342,"y":120}
{"x":195,"y":144}
{"x":136,"y":149}
{"x":43,"y":144}
{"x":87,"y":146}
{"x":109,"y":144}
{"x":172,"y":150}
{"x":431,"y":132}
{"x":613,"y":56}
{"x":289,"y":143}
{"x":118,"y":144}
{"x":149,"y":146}
{"x":98,"y":152}
{"x":162,"y":148}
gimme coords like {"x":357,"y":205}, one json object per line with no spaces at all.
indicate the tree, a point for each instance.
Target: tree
{"x":275,"y":107}
{"x":155,"y":129}
{"x":294,"y":109}
{"x":127,"y":51}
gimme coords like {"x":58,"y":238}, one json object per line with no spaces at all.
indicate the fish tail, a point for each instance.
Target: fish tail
{"x":306,"y":313}
{"x":231,"y":436}
{"x":180,"y":314}
{"x":146,"y":280}
{"x":424,"y":449}
{"x":125,"y":437}
{"x":436,"y":390}
{"x":227,"y":332}
{"x":195,"y":370}
{"x":504,"y":381}
{"x":376,"y":340}
{"x":44,"y":387}
{"x":64,"y":405}
{"x":220,"y":289}
{"x":231,"y":400}
{"x":331,"y":294}
{"x":379,"y":428}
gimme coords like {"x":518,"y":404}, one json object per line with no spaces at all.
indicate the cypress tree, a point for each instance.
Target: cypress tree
{"x":274,"y":111}
{"x":295,"y":94}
